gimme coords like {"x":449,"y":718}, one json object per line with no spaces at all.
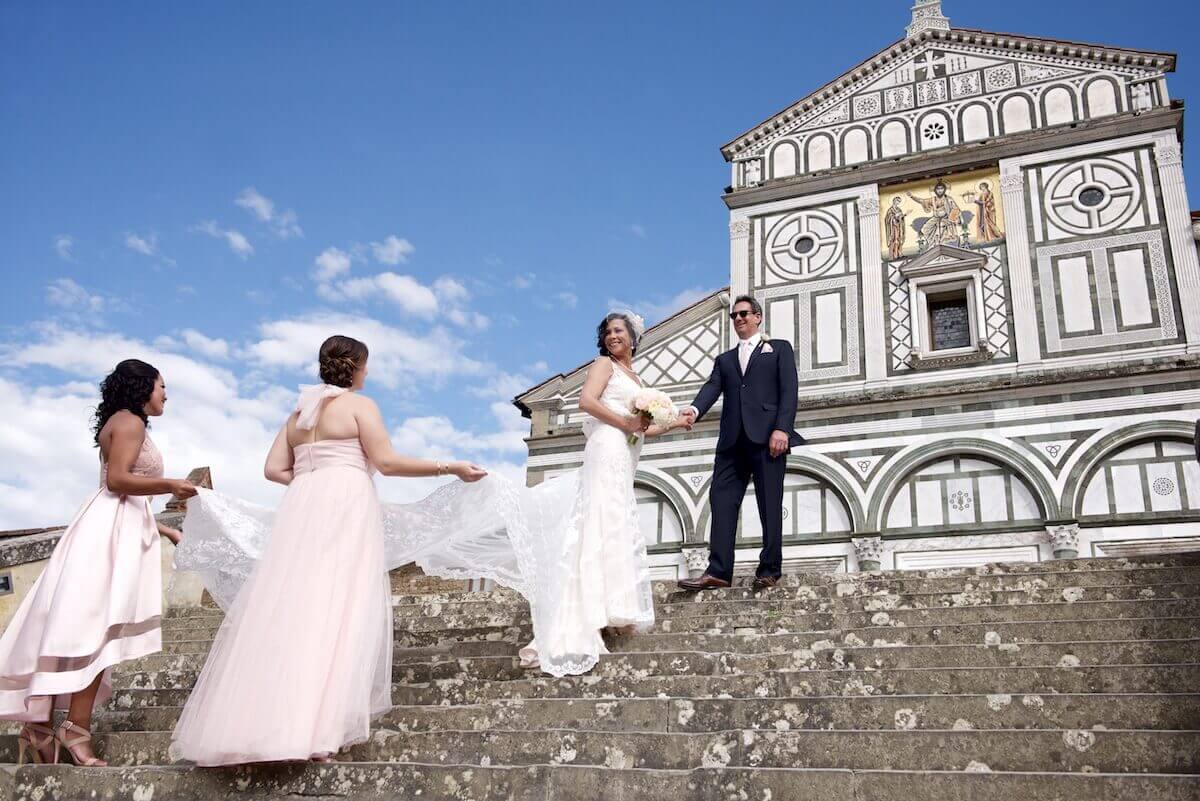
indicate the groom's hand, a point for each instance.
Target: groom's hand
{"x":778,"y":444}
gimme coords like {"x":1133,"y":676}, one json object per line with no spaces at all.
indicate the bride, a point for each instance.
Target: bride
{"x":571,"y":546}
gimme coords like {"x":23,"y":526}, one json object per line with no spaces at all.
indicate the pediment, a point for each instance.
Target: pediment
{"x":676,"y":352}
{"x":940,"y":66}
{"x":942,"y":259}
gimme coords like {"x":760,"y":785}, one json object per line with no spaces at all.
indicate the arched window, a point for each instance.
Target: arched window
{"x":961,"y":494}
{"x":893,"y":139}
{"x":1101,"y":98}
{"x":812,"y":510}
{"x":819,"y":153}
{"x":1151,"y":478}
{"x":856,"y":146}
{"x":784,"y":159}
{"x":975,"y":122}
{"x":1016,"y":114}
{"x":1058,"y":106}
{"x":661,"y":527}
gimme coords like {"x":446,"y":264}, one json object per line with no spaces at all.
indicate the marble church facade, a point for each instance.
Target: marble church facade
{"x":980,"y":245}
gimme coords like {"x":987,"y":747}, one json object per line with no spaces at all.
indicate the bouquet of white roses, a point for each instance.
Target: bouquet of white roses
{"x":654,"y":405}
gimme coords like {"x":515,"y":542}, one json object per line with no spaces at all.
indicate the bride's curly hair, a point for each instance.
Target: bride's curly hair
{"x":602,"y":329}
{"x":129,"y":387}
{"x":340,"y":358}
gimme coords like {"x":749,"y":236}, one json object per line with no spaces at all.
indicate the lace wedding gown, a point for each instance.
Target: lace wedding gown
{"x":571,"y":546}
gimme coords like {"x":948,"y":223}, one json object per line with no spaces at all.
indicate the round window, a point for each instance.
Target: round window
{"x":804,"y":245}
{"x":1091,"y":197}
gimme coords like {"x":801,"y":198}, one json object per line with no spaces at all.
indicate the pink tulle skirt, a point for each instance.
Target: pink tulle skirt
{"x":98,"y":602}
{"x":302,"y":661}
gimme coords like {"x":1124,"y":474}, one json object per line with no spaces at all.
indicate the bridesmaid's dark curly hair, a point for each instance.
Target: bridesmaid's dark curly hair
{"x":129,"y":387}
{"x":340,"y":359}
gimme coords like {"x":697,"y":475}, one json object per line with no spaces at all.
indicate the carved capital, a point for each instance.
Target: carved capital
{"x":868,"y":551}
{"x":739,"y":228}
{"x":1064,"y":540}
{"x":695,"y":560}
{"x":868,"y":207}
{"x":1013,"y":182}
{"x":1168,"y":155}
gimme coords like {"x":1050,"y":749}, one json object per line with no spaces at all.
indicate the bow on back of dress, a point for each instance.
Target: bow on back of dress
{"x":309,"y":403}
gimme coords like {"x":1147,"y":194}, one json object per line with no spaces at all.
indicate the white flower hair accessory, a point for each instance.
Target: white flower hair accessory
{"x":635,"y":322}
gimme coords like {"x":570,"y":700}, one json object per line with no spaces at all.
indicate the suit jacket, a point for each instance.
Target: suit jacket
{"x":759,"y":402}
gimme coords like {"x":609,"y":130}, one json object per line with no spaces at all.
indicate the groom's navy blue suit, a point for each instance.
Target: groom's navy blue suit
{"x":760,"y":401}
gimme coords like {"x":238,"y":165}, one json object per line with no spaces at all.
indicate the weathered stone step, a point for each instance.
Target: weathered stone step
{"x":447,"y":630}
{"x":920,"y":681}
{"x":163,"y":671}
{"x":996,"y":711}
{"x":1105,"y":750}
{"x":379,"y":781}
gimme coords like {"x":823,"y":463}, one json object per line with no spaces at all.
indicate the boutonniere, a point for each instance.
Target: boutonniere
{"x":766,"y":348}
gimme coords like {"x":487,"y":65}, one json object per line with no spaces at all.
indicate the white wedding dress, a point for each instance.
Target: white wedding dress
{"x":571,"y":546}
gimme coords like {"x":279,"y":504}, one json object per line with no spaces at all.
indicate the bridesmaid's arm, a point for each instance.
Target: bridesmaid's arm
{"x":279,"y":464}
{"x":126,"y":434}
{"x":173,"y":534}
{"x":372,"y":433}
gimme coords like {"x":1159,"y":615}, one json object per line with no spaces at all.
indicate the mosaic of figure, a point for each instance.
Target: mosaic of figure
{"x":961,"y":210}
{"x":987,"y":227}
{"x":942,"y":226}
{"x":893,"y":222}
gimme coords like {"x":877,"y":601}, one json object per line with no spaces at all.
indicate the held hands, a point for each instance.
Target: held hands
{"x":182,"y":488}
{"x":778,"y":444}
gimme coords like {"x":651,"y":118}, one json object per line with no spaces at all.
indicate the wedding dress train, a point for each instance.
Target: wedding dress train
{"x":571,"y":546}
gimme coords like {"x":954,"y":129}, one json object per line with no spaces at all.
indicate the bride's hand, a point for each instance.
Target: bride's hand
{"x":467,"y":471}
{"x":634,"y":424}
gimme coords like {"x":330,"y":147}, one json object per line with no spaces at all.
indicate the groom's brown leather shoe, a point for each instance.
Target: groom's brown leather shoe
{"x":762,"y":582}
{"x":705,"y":582}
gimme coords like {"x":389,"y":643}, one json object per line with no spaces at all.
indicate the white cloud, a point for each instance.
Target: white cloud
{"x":568,"y":299}
{"x":638,"y":230}
{"x":67,"y":294}
{"x":237,"y":242}
{"x":469,"y":319}
{"x":399,"y":359}
{"x":523,"y":281}
{"x":406,"y":292}
{"x":205,"y":346}
{"x":283,"y":223}
{"x":146,"y":245}
{"x":392,"y":251}
{"x":450,"y":290}
{"x":331,"y":263}
{"x":658,"y":310}
{"x":63,"y":245}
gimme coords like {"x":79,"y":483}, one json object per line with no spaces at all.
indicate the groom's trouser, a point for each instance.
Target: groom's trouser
{"x":732,"y":471}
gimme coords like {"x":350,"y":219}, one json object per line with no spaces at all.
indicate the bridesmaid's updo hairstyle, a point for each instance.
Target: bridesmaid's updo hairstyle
{"x":340,"y":359}
{"x":129,"y":387}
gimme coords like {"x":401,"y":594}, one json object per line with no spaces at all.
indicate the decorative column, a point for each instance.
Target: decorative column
{"x":1020,"y":267}
{"x":1064,"y":540}
{"x":695,"y":560}
{"x":739,"y":262}
{"x":875,"y":335}
{"x":1169,"y":157}
{"x":869,"y":552}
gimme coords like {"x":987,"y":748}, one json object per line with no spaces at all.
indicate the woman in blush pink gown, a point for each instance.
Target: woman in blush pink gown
{"x":303,"y":660}
{"x":99,"y":599}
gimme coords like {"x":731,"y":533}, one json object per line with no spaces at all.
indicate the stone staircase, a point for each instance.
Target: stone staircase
{"x":1073,"y":680}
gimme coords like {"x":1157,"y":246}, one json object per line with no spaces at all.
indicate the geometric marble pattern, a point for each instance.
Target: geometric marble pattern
{"x":684,"y":358}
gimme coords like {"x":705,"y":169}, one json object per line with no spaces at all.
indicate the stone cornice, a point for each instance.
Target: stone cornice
{"x":959,"y":157}
{"x":1101,"y":54}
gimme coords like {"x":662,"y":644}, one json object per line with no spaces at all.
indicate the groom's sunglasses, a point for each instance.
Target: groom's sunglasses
{"x":743,"y":313}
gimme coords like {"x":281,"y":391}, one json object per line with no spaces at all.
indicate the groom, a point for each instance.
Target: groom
{"x":758,"y":380}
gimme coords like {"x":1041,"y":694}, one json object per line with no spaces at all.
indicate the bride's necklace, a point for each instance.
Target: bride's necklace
{"x":628,"y":372}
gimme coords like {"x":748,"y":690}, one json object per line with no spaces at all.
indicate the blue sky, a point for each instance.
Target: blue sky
{"x":469,"y":186}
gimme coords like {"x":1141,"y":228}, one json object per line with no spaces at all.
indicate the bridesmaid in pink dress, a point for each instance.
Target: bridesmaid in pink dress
{"x":99,"y":600}
{"x":303,"y":659}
